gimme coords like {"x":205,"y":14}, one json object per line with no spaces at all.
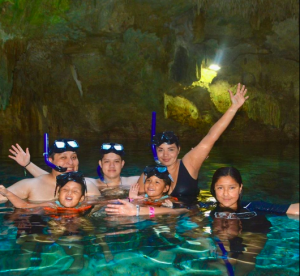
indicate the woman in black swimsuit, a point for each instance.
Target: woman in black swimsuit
{"x":185,"y":172}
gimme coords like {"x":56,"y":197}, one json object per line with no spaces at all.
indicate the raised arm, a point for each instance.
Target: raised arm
{"x":23,"y":159}
{"x":18,"y":202}
{"x":194,"y":158}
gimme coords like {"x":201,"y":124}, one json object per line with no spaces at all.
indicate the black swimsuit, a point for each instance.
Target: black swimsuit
{"x":186,"y":188}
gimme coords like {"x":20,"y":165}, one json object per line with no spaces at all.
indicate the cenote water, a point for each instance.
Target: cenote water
{"x":33,"y":244}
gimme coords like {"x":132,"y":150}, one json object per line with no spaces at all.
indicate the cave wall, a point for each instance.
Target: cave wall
{"x":101,"y":67}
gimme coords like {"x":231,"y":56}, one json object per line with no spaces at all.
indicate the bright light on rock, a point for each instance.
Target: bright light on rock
{"x":214,"y":67}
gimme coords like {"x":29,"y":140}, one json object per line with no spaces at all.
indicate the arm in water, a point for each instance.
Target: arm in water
{"x":18,"y":202}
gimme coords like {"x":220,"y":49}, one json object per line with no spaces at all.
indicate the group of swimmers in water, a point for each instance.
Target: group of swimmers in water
{"x":170,"y":187}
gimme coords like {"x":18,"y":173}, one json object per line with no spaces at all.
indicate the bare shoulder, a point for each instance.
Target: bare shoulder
{"x":90,"y":180}
{"x":23,"y":187}
{"x":128,"y":181}
{"x":92,"y":187}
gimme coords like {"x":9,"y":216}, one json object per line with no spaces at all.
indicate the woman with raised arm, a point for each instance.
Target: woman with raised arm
{"x":185,"y":172}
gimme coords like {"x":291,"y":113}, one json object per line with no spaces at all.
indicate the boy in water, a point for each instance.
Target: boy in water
{"x":157,"y":185}
{"x":70,"y":187}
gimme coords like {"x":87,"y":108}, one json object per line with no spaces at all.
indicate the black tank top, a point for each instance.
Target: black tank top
{"x":186,"y":188}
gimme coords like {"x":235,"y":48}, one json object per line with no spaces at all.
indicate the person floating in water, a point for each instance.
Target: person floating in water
{"x":70,"y":190}
{"x":42,"y":188}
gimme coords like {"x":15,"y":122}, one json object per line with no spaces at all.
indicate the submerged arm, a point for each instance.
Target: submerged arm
{"x":23,"y":159}
{"x":194,"y":158}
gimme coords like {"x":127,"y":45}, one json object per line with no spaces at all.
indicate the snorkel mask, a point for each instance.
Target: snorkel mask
{"x":159,"y":171}
{"x":58,"y":146}
{"x":167,"y":137}
{"x":63,"y":179}
{"x":107,"y":148}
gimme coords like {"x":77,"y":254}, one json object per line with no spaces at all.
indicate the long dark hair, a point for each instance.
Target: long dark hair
{"x":226,"y":171}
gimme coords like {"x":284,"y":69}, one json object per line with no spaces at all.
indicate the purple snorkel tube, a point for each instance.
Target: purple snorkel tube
{"x":99,"y":173}
{"x":153,"y":132}
{"x":46,"y":157}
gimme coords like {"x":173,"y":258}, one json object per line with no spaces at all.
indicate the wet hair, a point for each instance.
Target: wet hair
{"x":226,"y":171}
{"x":167,"y":137}
{"x":63,"y":179}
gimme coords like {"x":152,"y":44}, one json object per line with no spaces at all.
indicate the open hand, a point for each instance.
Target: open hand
{"x":21,"y":157}
{"x":125,"y":209}
{"x":134,"y":190}
{"x":239,"y":98}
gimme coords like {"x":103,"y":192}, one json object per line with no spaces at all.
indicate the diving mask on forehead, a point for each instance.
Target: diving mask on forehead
{"x":58,"y":146}
{"x":63,"y":145}
{"x":167,"y":137}
{"x":112,"y":147}
{"x":159,"y":171}
{"x":64,"y":178}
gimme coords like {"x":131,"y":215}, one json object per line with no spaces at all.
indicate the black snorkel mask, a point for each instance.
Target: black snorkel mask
{"x":107,"y":148}
{"x":58,"y":146}
{"x":167,"y":137}
{"x":159,"y":171}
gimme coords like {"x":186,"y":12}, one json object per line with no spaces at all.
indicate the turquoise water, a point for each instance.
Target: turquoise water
{"x":34,"y":244}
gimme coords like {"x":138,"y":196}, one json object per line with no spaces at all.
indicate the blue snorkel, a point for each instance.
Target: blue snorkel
{"x":100,"y":174}
{"x":46,"y":156}
{"x":153,"y":132}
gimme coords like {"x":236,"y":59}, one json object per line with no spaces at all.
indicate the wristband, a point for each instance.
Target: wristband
{"x":151,"y":211}
{"x":27,"y":165}
{"x":25,"y":173}
{"x":137,"y":210}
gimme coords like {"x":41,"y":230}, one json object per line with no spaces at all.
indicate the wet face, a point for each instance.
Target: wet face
{"x":167,"y":154}
{"x":67,"y":159}
{"x":111,"y":165}
{"x":228,"y":192}
{"x":155,"y":187}
{"x":70,"y":194}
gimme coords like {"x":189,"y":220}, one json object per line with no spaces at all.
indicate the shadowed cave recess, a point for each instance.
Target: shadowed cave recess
{"x":101,"y":67}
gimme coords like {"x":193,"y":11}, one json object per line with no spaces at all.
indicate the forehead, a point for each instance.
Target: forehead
{"x":155,"y":178}
{"x":226,"y":180}
{"x":166,"y":146}
{"x":111,"y":156}
{"x":66,"y":153}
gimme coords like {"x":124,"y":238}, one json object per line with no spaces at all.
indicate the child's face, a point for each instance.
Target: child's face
{"x":70,"y":195}
{"x":155,"y":187}
{"x":228,"y":192}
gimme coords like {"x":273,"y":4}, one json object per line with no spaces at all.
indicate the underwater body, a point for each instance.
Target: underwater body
{"x":38,"y":244}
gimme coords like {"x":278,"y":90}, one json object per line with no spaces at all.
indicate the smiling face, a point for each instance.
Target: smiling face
{"x":70,"y":194}
{"x":155,"y":187}
{"x":111,"y":165}
{"x":228,"y":192}
{"x":167,"y":154}
{"x":67,"y":159}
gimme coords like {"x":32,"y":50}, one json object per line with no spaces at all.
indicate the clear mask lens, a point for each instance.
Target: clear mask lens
{"x":73,"y":144}
{"x":60,"y":145}
{"x":118,"y":147}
